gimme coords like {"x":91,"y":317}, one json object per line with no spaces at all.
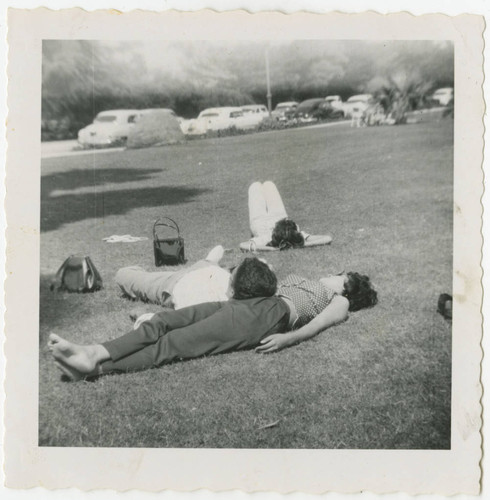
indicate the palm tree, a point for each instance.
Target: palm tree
{"x":399,"y":93}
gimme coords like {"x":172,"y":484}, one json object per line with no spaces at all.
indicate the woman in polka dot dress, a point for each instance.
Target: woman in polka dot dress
{"x":317,"y":305}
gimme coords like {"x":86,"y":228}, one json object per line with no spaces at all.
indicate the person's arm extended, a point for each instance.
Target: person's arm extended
{"x":313,"y":240}
{"x":257,"y":244}
{"x":335,"y":312}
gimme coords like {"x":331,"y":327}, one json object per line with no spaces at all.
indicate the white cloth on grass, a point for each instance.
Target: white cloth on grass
{"x":123,"y":238}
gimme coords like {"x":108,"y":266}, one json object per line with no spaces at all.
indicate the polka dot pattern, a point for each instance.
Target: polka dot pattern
{"x":308,"y":296}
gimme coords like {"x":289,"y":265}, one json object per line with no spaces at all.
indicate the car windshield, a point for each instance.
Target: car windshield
{"x":309,"y":104}
{"x":106,"y":118}
{"x":236,"y":114}
{"x":209,"y":115}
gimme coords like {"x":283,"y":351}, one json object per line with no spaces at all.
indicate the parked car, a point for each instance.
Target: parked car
{"x":217,"y":119}
{"x":443,"y":96}
{"x":255,"y":113}
{"x":357,"y":104}
{"x":335,"y":101}
{"x":284,"y":110}
{"x":110,"y":128}
{"x":257,"y":109}
{"x":316,"y":109}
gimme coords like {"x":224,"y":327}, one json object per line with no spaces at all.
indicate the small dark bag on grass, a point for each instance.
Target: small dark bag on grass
{"x":168,"y":251}
{"x":77,"y":274}
{"x":445,"y":305}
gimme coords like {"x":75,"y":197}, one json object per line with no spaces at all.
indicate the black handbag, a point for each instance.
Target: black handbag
{"x":167,"y":251}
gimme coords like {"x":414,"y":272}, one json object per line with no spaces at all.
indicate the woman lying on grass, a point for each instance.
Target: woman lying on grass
{"x":316,"y":305}
{"x":243,"y":322}
{"x":269,"y":223}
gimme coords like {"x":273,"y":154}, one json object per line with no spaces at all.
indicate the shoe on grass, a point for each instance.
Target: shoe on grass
{"x":445,"y":305}
{"x":136,"y":312}
{"x":216,"y":254}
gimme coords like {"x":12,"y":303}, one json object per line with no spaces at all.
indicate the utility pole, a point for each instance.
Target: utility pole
{"x":269,"y":95}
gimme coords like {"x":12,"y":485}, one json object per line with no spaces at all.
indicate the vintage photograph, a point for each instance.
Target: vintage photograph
{"x":246,"y":250}
{"x":285,"y":206}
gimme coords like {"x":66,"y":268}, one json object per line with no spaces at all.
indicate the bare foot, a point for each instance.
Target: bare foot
{"x":69,"y":373}
{"x":83,"y":359}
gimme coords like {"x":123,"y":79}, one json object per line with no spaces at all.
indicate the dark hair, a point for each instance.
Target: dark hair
{"x":359,"y":292}
{"x":286,"y":235}
{"x":253,"y":278}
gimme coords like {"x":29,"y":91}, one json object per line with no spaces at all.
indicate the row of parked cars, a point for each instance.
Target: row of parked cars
{"x":251,"y":116}
{"x":112,"y":127}
{"x":318,"y":108}
{"x":333,"y":106}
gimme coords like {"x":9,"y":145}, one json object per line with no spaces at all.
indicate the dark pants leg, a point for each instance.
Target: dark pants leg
{"x":150,"y":331}
{"x":236,"y":325}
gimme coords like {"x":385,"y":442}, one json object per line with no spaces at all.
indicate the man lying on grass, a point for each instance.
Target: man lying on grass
{"x":204,"y":281}
{"x":254,"y":317}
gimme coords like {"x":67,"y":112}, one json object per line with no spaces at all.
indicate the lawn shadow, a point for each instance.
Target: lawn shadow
{"x":82,"y":177}
{"x":57,"y":210}
{"x":57,"y":307}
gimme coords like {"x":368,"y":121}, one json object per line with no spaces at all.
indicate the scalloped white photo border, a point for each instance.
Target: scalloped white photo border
{"x":27,"y":465}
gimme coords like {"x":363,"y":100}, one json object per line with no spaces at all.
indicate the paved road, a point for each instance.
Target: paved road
{"x":53,"y":149}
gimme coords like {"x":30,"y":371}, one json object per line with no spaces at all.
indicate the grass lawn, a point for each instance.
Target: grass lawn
{"x":380,"y":380}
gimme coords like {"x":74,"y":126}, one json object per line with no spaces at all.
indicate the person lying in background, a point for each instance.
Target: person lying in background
{"x":300,"y":310}
{"x":270,"y":225}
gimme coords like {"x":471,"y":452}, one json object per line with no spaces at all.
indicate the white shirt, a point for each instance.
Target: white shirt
{"x":207,"y":284}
